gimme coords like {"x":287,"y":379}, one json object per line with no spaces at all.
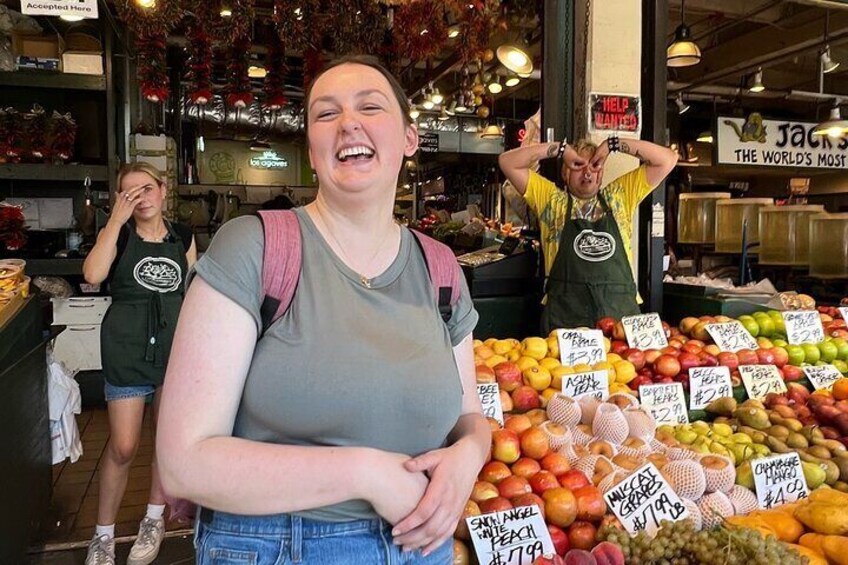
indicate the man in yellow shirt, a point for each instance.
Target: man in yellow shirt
{"x":587,"y":259}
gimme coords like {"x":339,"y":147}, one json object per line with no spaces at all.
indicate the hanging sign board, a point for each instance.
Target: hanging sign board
{"x":81,"y":8}
{"x":510,"y":537}
{"x":490,"y":398}
{"x":779,"y":480}
{"x":707,"y":384}
{"x":591,"y":383}
{"x":643,"y":500}
{"x":731,"y":336}
{"x":615,"y":112}
{"x":581,"y":346}
{"x":644,"y":331}
{"x":803,"y":326}
{"x":777,"y":143}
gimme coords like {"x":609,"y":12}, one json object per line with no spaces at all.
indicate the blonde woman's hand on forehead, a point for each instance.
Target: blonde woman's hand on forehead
{"x":125,"y":204}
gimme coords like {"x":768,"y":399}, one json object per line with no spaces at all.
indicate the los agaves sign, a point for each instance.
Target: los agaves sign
{"x":775,"y":143}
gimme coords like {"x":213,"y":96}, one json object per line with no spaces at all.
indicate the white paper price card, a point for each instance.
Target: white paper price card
{"x":779,"y":480}
{"x":510,"y":537}
{"x":843,"y":310}
{"x":803,"y":326}
{"x":707,"y":384}
{"x":665,"y":402}
{"x":731,"y":336}
{"x":581,"y":346}
{"x":759,"y":380}
{"x":822,"y":376}
{"x":490,"y":398}
{"x":643,"y":500}
{"x":590,"y":383}
{"x":644,"y":331}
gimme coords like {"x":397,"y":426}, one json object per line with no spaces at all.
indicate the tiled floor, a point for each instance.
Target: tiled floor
{"x":74,"y":504}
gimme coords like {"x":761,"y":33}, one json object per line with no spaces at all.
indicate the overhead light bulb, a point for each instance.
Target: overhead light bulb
{"x":70,"y":18}
{"x":705,"y":137}
{"x":682,"y":107}
{"x":828,"y":65}
{"x":492,"y":131}
{"x":757,"y":85}
{"x":226,"y":10}
{"x":495,"y":86}
{"x":443,"y":115}
{"x":436,"y":96}
{"x":256,"y":71}
{"x":414,"y":113}
{"x":683,"y":52}
{"x":835,"y":126}
{"x":512,"y":81}
{"x":146,"y":3}
{"x":515,"y":57}
{"x":453,"y":32}
{"x":428,"y":104}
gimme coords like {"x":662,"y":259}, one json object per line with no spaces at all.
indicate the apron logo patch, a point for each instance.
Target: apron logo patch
{"x":594,"y":246}
{"x":159,"y":274}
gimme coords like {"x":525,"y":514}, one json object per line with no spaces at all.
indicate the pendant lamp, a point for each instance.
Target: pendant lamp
{"x":683,"y":52}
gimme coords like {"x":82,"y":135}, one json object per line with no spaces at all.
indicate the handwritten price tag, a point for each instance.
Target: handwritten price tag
{"x":759,"y":380}
{"x":779,"y":480}
{"x":581,"y":346}
{"x":707,"y":384}
{"x":643,"y":500}
{"x":510,"y":537}
{"x":843,"y":310}
{"x":591,"y":383}
{"x":665,"y":402}
{"x":490,"y":398}
{"x":822,"y":376}
{"x":644,"y":331}
{"x":803,"y":326}
{"x":731,"y":336}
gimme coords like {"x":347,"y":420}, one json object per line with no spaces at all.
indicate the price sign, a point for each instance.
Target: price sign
{"x":822,"y":376}
{"x":644,"y":331}
{"x":581,"y":346}
{"x":707,"y":384}
{"x":591,"y":383}
{"x":779,"y":480}
{"x":731,"y":336}
{"x":490,"y":398}
{"x":803,"y":326}
{"x":643,"y":500}
{"x":759,"y":380}
{"x":843,"y":311}
{"x":510,"y":537}
{"x":665,"y":402}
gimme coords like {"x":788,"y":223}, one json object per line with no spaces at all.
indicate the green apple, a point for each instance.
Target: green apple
{"x":796,"y":354}
{"x":811,"y":353}
{"x":750,"y":324}
{"x":841,"y":366}
{"x":842,"y":348}
{"x":778,"y":342}
{"x":829,"y":351}
{"x":766,"y":324}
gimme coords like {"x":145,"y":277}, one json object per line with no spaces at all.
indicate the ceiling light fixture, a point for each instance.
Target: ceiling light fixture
{"x":256,"y":71}
{"x":414,"y":113}
{"x":145,"y":3}
{"x":828,"y":65}
{"x":428,"y":104}
{"x":516,"y":57}
{"x":495,"y":86}
{"x":705,"y":137}
{"x":227,"y":11}
{"x":757,"y":84}
{"x":453,"y":32}
{"x":70,"y":18}
{"x":443,"y":115}
{"x":512,"y":81}
{"x":683,"y":52}
{"x":682,"y":107}
{"x":492,"y":131}
{"x":435,"y":95}
{"x":835,"y":126}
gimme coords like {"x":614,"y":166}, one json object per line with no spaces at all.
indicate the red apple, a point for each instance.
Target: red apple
{"x":618,"y":347}
{"x":792,"y":373}
{"x":798,"y":393}
{"x":639,"y":381}
{"x":665,"y":381}
{"x":708,"y":359}
{"x":728,"y":359}
{"x":542,"y":481}
{"x":651,"y":355}
{"x":529,"y":499}
{"x":606,"y":325}
{"x":506,"y":446}
{"x":667,"y":366}
{"x":781,"y":357}
{"x":485,"y":374}
{"x":573,"y":480}
{"x":635,"y":356}
{"x":581,"y":535}
{"x":526,"y":398}
{"x":688,"y":360}
{"x":766,"y":356}
{"x":618,"y":332}
{"x":508,"y":376}
{"x":556,"y":463}
{"x":688,"y":324}
{"x":666,"y":329}
{"x":590,"y":503}
{"x":560,"y":539}
{"x":747,"y":357}
{"x":669,"y":350}
{"x":526,"y":467}
{"x":712,"y":349}
{"x":534,"y":443}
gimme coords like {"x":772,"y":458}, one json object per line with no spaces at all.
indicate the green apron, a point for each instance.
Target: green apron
{"x":591,"y":276}
{"x":147,"y":290}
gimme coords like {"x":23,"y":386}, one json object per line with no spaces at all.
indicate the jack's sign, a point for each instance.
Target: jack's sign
{"x":776,"y":143}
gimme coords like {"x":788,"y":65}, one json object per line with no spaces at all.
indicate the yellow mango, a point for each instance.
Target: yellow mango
{"x":813,"y":541}
{"x":836,"y":549}
{"x":752,"y":523}
{"x":828,"y":496}
{"x":814,"y":558}
{"x":831,"y":519}
{"x":784,"y":525}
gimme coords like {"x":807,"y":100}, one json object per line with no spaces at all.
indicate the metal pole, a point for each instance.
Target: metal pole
{"x":651,"y":248}
{"x":557,"y":69}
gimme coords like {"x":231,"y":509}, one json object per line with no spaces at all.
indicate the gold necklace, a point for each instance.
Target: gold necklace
{"x":153,"y":238}
{"x":366,"y":282}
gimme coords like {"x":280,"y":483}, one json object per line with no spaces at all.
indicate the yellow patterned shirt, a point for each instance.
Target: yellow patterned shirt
{"x":623,"y":196}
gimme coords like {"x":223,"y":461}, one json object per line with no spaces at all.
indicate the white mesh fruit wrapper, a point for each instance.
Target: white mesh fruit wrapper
{"x":610,"y":424}
{"x":640,"y":452}
{"x":580,"y":437}
{"x":574,"y":453}
{"x":715,"y":507}
{"x":682,"y":454}
{"x":694,"y":513}
{"x":743,"y":500}
{"x":556,"y":442}
{"x":564,"y":410}
{"x":597,"y":442}
{"x":631,"y":401}
{"x":656,"y":445}
{"x":721,"y":480}
{"x":686,"y":478}
{"x":611,"y":480}
{"x":640,"y":423}
{"x":586,"y":465}
{"x":588,"y":406}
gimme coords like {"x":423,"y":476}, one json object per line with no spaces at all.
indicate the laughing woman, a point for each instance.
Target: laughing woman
{"x":144,"y":259}
{"x":350,"y":430}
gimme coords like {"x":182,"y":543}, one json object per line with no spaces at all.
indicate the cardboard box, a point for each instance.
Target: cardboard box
{"x":36,"y":46}
{"x":83,"y":63}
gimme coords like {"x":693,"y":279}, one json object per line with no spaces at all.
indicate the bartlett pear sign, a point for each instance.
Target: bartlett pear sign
{"x":777,"y":143}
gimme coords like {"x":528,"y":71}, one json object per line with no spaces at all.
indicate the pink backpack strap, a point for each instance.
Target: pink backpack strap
{"x":280,"y":263}
{"x":445,"y":272}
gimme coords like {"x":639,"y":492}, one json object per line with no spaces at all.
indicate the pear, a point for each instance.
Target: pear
{"x":778,"y":431}
{"x":723,"y":430}
{"x":719,"y":449}
{"x":686,"y":436}
{"x":835,"y":447}
{"x":841,"y":486}
{"x":793,"y":424}
{"x":811,"y":433}
{"x":666,"y":429}
{"x":722,"y":406}
{"x":814,"y":474}
{"x":761,"y":450}
{"x":745,"y":475}
{"x":796,"y":441}
{"x":842,"y":463}
{"x":819,"y":451}
{"x":700,"y":427}
{"x":775,"y":418}
{"x":776,"y":445}
{"x":742,"y":452}
{"x":739,"y":437}
{"x":831,"y":471}
{"x":753,"y":403}
{"x":756,"y":418}
{"x":759,"y":437}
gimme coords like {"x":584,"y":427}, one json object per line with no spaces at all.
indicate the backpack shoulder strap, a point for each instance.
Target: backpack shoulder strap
{"x":444,"y":270}
{"x":281,"y":263}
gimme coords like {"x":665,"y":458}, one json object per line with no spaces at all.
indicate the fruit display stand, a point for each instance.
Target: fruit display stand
{"x":679,"y":300}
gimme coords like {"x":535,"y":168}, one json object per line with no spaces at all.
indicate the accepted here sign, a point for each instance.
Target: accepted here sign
{"x":80,"y":8}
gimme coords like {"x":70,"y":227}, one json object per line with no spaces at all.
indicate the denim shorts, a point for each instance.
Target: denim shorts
{"x":113,"y":392}
{"x":284,"y":539}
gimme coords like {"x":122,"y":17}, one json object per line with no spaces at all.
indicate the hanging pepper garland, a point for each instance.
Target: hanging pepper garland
{"x":12,"y":227}
{"x":64,"y":133}
{"x":239,"y":93}
{"x":477,"y":19}
{"x":38,"y":123}
{"x":151,"y":26}
{"x":11,"y":128}
{"x":199,"y":64}
{"x":274,"y":85}
{"x":358,"y":25}
{"x":419,"y":29}
{"x":301,"y":24}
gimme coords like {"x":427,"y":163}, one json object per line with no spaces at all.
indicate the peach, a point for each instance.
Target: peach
{"x":482,"y":491}
{"x":494,"y":472}
{"x":534,"y":443}
{"x":526,"y":467}
{"x":506,"y":446}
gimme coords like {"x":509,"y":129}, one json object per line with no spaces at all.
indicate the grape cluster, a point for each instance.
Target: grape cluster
{"x":678,"y":543}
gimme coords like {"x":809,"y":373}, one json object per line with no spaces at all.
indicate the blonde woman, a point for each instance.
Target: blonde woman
{"x":145,"y":260}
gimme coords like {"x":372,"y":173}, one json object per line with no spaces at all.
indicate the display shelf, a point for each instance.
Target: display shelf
{"x":50,"y":79}
{"x":30,"y":171}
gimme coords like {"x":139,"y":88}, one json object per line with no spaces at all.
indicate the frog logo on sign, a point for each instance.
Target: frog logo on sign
{"x":752,"y":130}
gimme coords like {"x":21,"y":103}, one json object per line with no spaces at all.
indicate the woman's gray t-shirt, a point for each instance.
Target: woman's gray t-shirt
{"x":346,"y":365}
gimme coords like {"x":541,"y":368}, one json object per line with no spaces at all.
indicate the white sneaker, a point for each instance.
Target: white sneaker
{"x":101,"y":551}
{"x":147,"y":544}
